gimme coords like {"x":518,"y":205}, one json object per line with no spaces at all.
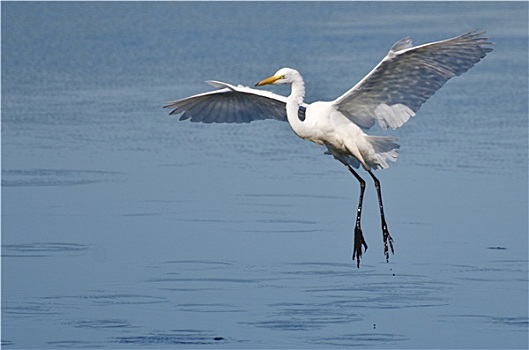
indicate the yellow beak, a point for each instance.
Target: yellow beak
{"x":267,"y":81}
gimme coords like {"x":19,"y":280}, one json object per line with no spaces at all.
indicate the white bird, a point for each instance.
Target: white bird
{"x":390,"y":94}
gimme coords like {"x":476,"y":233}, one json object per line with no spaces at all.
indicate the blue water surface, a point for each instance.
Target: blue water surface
{"x":124,"y":228}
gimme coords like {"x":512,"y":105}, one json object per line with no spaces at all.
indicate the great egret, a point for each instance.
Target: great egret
{"x":390,"y":94}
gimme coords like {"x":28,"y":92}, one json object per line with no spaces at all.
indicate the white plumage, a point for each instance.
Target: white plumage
{"x":390,"y":94}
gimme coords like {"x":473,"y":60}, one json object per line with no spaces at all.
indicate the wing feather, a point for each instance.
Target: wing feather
{"x":232,"y":104}
{"x":397,"y":87}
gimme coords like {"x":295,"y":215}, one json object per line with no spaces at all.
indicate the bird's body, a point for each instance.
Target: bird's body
{"x":325,"y":125}
{"x":390,"y":94}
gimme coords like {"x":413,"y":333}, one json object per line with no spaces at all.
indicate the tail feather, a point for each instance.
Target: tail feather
{"x":384,"y":149}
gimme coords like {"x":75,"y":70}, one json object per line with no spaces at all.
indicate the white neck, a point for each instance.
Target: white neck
{"x":295,"y":99}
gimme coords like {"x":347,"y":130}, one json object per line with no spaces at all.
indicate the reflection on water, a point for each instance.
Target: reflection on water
{"x":123,"y":228}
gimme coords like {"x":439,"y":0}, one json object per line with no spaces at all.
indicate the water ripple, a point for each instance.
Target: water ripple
{"x":75,"y":344}
{"x":41,"y":249}
{"x":208,"y":308}
{"x":346,"y":288}
{"x":517,"y":323}
{"x":204,"y":280}
{"x":360,"y":340}
{"x":6,"y":342}
{"x":520,"y":322}
{"x":53,"y":177}
{"x":175,"y":337}
{"x":113,"y":299}
{"x":100,"y":324}
{"x":305,"y":317}
{"x":30,"y":309}
{"x":200,"y":263}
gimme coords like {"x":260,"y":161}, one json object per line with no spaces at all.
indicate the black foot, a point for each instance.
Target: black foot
{"x":359,"y":242}
{"x":387,"y":239}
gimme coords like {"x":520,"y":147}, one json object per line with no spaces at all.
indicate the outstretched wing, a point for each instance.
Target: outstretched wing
{"x":397,"y":87}
{"x":232,"y":104}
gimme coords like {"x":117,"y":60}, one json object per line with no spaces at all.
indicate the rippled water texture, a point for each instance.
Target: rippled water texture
{"x":124,"y":228}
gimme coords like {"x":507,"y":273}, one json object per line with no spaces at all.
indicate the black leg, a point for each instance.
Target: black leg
{"x":385,"y":233}
{"x":359,"y":237}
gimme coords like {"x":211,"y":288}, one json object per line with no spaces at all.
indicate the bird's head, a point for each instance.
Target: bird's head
{"x":282,"y":76}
